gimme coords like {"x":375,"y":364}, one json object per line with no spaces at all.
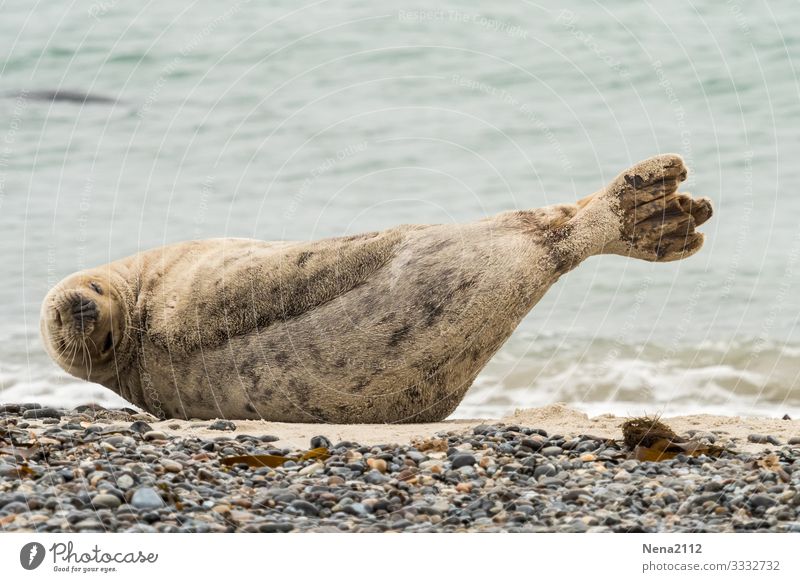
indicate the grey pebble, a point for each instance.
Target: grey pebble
{"x":416,"y":456}
{"x":42,"y":413}
{"x":275,"y":527}
{"x":357,"y":509}
{"x":546,"y":470}
{"x":321,"y":441}
{"x":8,"y":471}
{"x":305,"y":507}
{"x":463,"y":460}
{"x":15,"y":507}
{"x":375,"y":477}
{"x":141,"y":427}
{"x":763,"y":439}
{"x":146,"y":498}
{"x":223,"y":425}
{"x":125,"y":482}
{"x":762,"y":501}
{"x":105,"y":500}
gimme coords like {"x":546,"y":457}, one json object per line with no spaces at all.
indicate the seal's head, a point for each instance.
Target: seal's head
{"x":84,"y":323}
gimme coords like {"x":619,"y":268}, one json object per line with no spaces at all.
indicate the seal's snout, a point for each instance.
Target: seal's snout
{"x":83,"y":325}
{"x":75,"y":311}
{"x":84,"y":312}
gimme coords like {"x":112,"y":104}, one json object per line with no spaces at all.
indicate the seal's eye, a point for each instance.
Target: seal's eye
{"x":108,"y":343}
{"x":97,"y":288}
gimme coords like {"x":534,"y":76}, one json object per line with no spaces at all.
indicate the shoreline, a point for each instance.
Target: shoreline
{"x":550,"y":469}
{"x":555,"y":419}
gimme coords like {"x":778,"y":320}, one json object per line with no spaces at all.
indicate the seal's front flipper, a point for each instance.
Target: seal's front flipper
{"x":657,"y":223}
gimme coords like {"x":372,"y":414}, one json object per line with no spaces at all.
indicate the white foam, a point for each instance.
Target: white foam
{"x":56,"y":390}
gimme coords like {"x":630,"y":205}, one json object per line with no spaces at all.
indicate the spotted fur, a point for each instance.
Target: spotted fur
{"x":383,"y":327}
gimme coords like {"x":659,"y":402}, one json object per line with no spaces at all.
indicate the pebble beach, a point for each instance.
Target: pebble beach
{"x":92,"y":469}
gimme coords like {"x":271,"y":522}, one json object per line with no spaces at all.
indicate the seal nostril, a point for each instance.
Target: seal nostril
{"x":82,"y":304}
{"x":84,"y":313}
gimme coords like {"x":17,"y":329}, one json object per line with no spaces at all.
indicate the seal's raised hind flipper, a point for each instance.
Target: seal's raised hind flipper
{"x":657,"y":223}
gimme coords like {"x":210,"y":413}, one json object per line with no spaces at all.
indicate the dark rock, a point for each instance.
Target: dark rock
{"x":546,"y":470}
{"x":761,"y":501}
{"x":222,"y":425}
{"x":275,"y":527}
{"x":763,"y":439}
{"x":91,"y":407}
{"x":141,"y":427}
{"x":357,"y":509}
{"x":305,"y":507}
{"x":463,"y":460}
{"x":416,"y":456}
{"x":532,"y":444}
{"x":43,"y":413}
{"x":50,"y":479}
{"x":375,"y":478}
{"x":284,"y":496}
{"x":8,"y":471}
{"x":484,"y":429}
{"x":15,"y":507}
{"x":575,"y":494}
{"x":320,"y":441}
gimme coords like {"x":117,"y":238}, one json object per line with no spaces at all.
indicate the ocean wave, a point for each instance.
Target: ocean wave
{"x":745,"y":377}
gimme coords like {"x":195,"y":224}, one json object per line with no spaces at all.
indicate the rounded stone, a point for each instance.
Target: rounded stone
{"x":320,"y":441}
{"x":106,"y":501}
{"x":125,"y":482}
{"x":171,"y":466}
{"x":223,"y":425}
{"x":546,"y":470}
{"x":141,"y":427}
{"x":147,"y":498}
{"x":463,"y":460}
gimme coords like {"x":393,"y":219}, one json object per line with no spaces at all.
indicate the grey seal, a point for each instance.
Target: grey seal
{"x":382,"y":327}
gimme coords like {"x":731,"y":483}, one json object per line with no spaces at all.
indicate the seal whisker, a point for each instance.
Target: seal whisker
{"x":74,"y":352}
{"x":87,"y":354}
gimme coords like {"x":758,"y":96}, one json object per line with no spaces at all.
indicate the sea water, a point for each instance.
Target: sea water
{"x":301,"y":120}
